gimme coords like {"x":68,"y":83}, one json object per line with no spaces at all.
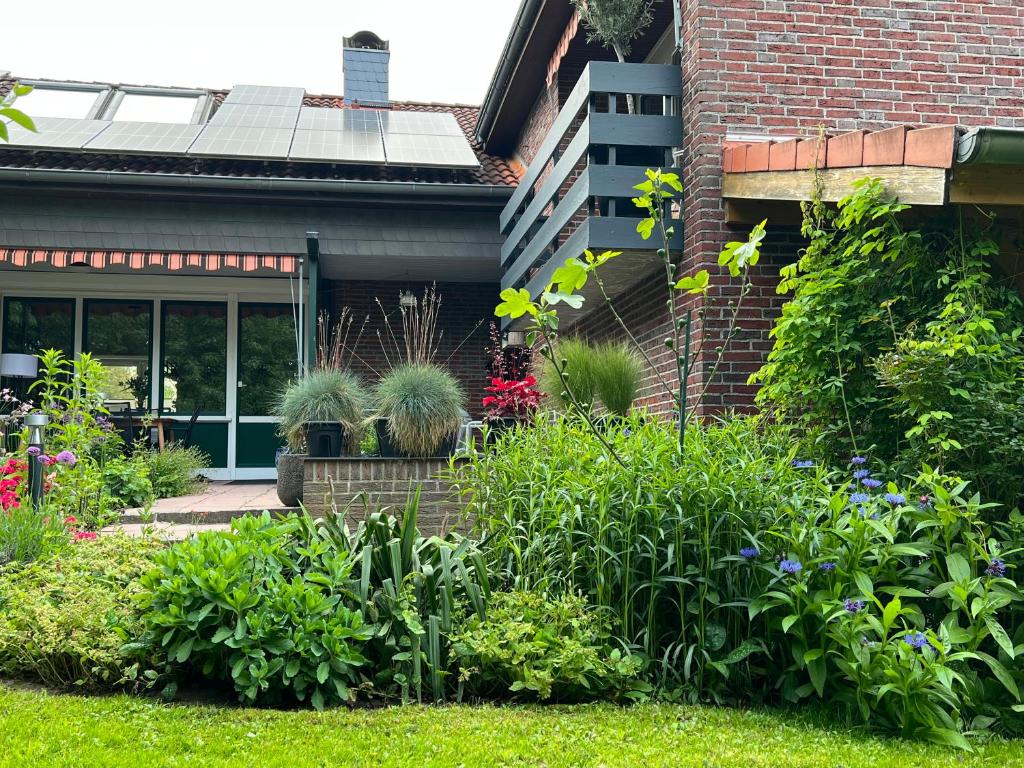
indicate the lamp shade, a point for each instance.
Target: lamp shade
{"x":18,"y":366}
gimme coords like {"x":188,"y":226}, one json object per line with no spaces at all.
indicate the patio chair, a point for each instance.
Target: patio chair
{"x":184,"y":436}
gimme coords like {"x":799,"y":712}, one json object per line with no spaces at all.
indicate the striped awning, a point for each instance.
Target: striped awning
{"x":152,"y":261}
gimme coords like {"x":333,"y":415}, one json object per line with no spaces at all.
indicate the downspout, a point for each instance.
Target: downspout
{"x":313,"y":252}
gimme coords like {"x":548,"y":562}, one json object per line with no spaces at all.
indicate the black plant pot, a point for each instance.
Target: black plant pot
{"x":325,"y":439}
{"x":499,"y":426}
{"x":388,"y":450}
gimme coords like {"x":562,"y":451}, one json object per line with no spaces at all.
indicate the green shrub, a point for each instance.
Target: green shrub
{"x":27,"y":535}
{"x":331,"y":395}
{"x":423,"y":405}
{"x":65,"y":619}
{"x":648,"y":542}
{"x":543,"y":648}
{"x":175,"y":470}
{"x":313,"y":611}
{"x":128,"y":481}
{"x":263,"y":608}
{"x":902,"y":341}
{"x":581,"y":375}
{"x":618,"y":372}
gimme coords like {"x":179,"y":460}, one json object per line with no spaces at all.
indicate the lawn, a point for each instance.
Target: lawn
{"x":41,"y":729}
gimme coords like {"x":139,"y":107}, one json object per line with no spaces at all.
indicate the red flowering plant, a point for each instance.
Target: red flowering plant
{"x":13,"y":474}
{"x":514,"y":399}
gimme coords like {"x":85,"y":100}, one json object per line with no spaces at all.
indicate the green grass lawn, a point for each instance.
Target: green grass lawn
{"x":41,"y":729}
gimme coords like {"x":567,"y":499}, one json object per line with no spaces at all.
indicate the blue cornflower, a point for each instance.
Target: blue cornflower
{"x":803,"y":463}
{"x":750,"y":552}
{"x":853,"y":606}
{"x":860,"y":474}
{"x":859,"y":498}
{"x":858,"y":460}
{"x":896,"y":499}
{"x":916,"y":639}
{"x":827,"y":567}
{"x":790,"y":566}
{"x":870,"y":482}
{"x":996,"y":568}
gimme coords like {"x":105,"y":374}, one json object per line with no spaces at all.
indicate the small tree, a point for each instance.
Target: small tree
{"x":615,"y":23}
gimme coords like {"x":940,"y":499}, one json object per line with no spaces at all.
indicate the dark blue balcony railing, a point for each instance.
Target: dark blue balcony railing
{"x":576,"y":193}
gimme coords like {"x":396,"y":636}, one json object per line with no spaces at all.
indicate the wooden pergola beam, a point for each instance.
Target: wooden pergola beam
{"x":912,"y":185}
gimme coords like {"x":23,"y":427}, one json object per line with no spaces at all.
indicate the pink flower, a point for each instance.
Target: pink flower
{"x":84,"y":535}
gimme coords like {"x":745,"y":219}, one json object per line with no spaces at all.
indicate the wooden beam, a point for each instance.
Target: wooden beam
{"x":912,"y":185}
{"x":987,"y":184}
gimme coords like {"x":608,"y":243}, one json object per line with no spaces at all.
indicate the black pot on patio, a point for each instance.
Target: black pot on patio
{"x":325,"y":439}
{"x":289,"y":478}
{"x":387,"y":448}
{"x":498,"y":426}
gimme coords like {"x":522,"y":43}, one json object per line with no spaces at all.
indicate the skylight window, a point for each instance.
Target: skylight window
{"x":154,"y":108}
{"x":58,"y":102}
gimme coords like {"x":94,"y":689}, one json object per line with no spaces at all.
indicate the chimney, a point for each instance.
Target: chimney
{"x":364,"y":64}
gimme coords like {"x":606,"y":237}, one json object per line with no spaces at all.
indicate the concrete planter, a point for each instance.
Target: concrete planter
{"x":290,"y":478}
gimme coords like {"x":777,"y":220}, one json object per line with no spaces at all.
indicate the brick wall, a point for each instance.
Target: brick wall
{"x":784,"y":68}
{"x":463,"y":307}
{"x":387,"y":483}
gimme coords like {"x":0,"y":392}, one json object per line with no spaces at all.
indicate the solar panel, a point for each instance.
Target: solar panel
{"x":266,"y":95}
{"x":447,"y":151}
{"x":323,"y":118}
{"x":340,"y":146}
{"x":242,"y":141}
{"x":130,"y":136}
{"x":57,"y":132}
{"x":421,"y":123}
{"x":256,"y":114}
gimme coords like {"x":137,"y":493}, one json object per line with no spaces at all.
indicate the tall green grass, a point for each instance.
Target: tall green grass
{"x":619,"y":371}
{"x":654,"y":543}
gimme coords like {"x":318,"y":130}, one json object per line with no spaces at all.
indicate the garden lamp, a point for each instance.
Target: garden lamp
{"x":35,"y":422}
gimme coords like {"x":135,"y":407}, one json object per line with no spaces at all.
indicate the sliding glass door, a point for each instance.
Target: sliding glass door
{"x":119,"y":333}
{"x":266,"y":336}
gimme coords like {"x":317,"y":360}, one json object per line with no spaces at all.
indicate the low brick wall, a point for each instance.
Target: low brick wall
{"x":387,"y":483}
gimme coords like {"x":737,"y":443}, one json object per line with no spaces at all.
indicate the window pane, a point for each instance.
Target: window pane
{"x":53,"y":102}
{"x":266,"y":355}
{"x":194,"y":339}
{"x":156,"y":109}
{"x":117,"y":333}
{"x":31,"y":325}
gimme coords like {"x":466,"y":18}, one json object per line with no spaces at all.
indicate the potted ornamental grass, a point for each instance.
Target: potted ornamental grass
{"x":321,"y":415}
{"x":420,"y":408}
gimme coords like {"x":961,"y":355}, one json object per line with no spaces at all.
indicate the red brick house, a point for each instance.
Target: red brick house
{"x":141,"y":219}
{"x":746,"y":76}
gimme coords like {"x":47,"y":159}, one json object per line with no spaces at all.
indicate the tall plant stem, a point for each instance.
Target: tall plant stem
{"x":842,"y":391}
{"x":728,"y":337}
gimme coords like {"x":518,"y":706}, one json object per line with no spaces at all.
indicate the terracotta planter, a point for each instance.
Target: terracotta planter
{"x":289,"y":478}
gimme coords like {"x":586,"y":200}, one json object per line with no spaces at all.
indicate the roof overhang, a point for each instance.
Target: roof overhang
{"x":921,"y":167}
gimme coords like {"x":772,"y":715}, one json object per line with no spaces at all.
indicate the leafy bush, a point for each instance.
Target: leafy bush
{"x":297,"y":610}
{"x":647,"y":540}
{"x":901,"y":341}
{"x":64,"y":620}
{"x":326,"y":394}
{"x":900,"y":606}
{"x":618,"y":373}
{"x":262,"y":608}
{"x":175,"y":470}
{"x":127,"y":480}
{"x":744,"y":570}
{"x":414,"y":588}
{"x":544,"y":648}
{"x":423,"y":405}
